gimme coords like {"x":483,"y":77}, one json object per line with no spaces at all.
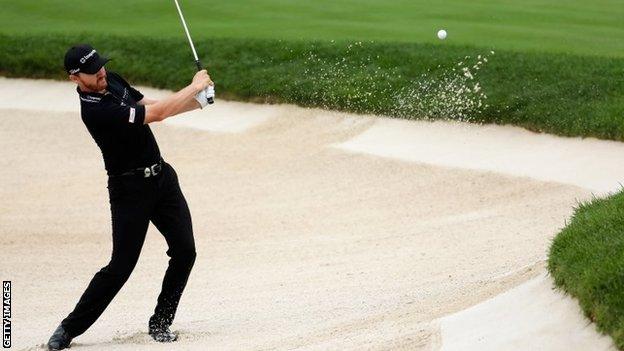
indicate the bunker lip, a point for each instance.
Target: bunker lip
{"x":300,"y":244}
{"x":500,"y":149}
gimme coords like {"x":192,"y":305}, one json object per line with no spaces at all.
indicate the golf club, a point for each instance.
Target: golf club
{"x":188,"y":35}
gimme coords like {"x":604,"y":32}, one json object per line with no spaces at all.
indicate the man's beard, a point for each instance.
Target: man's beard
{"x":99,"y":85}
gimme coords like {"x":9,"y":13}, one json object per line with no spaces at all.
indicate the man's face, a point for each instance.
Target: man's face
{"x":91,"y":82}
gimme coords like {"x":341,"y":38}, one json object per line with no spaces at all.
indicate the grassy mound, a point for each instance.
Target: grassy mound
{"x":560,"y":94}
{"x":571,"y":26}
{"x":587,"y":261}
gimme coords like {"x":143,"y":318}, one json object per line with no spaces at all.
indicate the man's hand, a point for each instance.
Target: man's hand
{"x":210,"y":91}
{"x":200,"y":89}
{"x":203,"y":96}
{"x":201,"y":80}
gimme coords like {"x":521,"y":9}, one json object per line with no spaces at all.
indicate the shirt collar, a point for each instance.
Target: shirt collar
{"x":82,"y":93}
{"x":92,"y":97}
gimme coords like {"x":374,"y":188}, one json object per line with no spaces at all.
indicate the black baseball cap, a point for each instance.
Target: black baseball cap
{"x":83,"y":58}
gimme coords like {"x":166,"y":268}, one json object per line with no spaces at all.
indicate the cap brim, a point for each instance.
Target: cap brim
{"x":95,"y":66}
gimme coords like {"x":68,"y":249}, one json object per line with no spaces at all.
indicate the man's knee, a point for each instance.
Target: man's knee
{"x":192,"y":255}
{"x":185,"y":256}
{"x":189,"y":255}
{"x":120,"y":269}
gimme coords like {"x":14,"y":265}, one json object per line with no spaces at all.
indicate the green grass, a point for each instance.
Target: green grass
{"x":571,"y":26}
{"x":560,"y":94}
{"x":587,"y":261}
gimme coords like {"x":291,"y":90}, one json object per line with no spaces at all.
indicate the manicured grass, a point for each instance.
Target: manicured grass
{"x":571,"y":26}
{"x":587,"y":261}
{"x":560,"y":94}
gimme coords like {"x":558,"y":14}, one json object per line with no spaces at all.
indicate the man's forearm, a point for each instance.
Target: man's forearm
{"x":179,"y":102}
{"x":146,"y":101}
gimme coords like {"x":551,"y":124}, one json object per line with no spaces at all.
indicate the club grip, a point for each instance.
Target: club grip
{"x":199,"y":68}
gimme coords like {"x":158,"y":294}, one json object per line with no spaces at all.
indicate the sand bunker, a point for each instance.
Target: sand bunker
{"x":301,"y":244}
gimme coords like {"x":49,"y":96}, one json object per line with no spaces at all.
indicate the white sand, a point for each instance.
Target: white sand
{"x":300,"y":244}
{"x":531,"y":309}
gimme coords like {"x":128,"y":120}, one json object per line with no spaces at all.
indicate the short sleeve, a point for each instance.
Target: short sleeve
{"x":136,"y":95}
{"x":117,"y":116}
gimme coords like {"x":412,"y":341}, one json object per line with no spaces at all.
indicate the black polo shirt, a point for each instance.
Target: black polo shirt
{"x":115,"y":121}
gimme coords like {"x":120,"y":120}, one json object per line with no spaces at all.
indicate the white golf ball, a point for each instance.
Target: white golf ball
{"x":442,"y":34}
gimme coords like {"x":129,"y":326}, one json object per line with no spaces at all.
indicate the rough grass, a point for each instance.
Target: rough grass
{"x":587,"y":261}
{"x":561,"y":94}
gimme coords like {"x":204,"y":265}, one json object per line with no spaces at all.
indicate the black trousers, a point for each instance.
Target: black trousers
{"x":135,"y":201}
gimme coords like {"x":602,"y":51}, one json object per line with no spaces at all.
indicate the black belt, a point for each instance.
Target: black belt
{"x":145,"y":172}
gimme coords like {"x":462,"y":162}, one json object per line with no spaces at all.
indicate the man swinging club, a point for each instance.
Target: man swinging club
{"x":142,"y":188}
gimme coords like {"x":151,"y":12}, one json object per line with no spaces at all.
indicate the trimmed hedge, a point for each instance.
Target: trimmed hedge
{"x":560,"y":94}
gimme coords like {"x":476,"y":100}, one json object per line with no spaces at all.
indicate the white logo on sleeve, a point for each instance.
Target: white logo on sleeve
{"x":132,"y":112}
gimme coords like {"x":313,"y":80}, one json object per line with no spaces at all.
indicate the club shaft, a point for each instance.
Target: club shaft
{"x":188,"y":35}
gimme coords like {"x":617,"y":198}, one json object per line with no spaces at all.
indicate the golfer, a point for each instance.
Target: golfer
{"x":142,"y":188}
